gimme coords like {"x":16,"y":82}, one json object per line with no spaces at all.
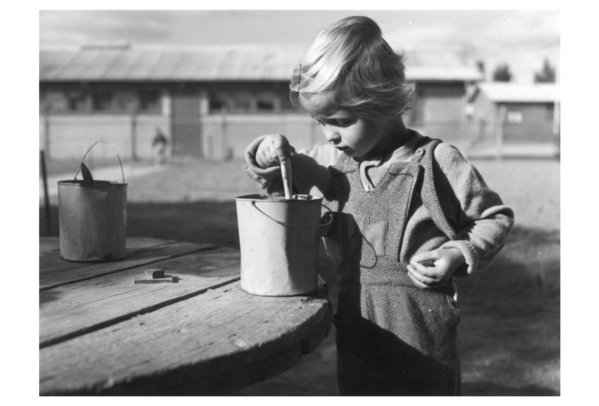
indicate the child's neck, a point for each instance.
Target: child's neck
{"x":396,"y":135}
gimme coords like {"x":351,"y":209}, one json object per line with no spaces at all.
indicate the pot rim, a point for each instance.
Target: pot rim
{"x":276,"y":199}
{"x":94,"y":184}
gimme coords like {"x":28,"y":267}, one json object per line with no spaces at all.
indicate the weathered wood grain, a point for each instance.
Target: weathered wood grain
{"x":55,"y":271}
{"x":78,"y":308}
{"x":50,"y":245}
{"x":50,"y":260}
{"x":210,"y":343}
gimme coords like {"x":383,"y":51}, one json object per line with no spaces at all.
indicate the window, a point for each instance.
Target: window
{"x":267,"y":102}
{"x":53,"y":102}
{"x":265,"y":105}
{"x":514,"y":117}
{"x":125,"y":102}
{"x":242,"y":103}
{"x":102,"y":100}
{"x":149,"y":101}
{"x":217,"y":105}
{"x":76,"y":102}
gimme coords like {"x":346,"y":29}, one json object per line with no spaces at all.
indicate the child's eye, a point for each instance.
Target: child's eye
{"x":337,"y":122}
{"x":343,"y":122}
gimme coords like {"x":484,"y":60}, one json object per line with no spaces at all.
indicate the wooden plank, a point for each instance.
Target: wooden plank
{"x":211,"y":343}
{"x":50,"y":260}
{"x":56,"y":272}
{"x":74,"y":309}
{"x":49,"y":245}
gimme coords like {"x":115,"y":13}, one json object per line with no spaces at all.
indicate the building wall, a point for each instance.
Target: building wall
{"x":524,"y":129}
{"x":213,"y":120}
{"x":64,"y":136}
{"x":226,"y":136}
{"x":438,"y":109}
{"x":484,"y":123}
{"x":528,"y":123}
{"x":246,"y":97}
{"x":442,"y":101}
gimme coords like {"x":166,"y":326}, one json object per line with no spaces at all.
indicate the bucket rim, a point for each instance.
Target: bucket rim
{"x":95,"y":184}
{"x":268,"y":199}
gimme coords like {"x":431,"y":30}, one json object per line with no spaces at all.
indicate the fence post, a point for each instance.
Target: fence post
{"x":499,"y":131}
{"x":45,"y":184}
{"x":556,"y":128}
{"x":223,"y":137}
{"x":47,"y":134}
{"x":209,"y":140}
{"x":134,"y":137}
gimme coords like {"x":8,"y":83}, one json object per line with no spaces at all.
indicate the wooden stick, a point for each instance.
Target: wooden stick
{"x":287,"y":175}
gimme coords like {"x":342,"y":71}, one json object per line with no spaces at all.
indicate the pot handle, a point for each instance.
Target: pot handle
{"x":326,"y":220}
{"x":85,"y":156}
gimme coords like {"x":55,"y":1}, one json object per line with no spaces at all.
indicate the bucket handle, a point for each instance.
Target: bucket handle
{"x":85,"y":156}
{"x":323,"y":227}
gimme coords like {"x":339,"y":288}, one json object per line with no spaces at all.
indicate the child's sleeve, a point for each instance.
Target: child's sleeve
{"x":311,"y":170}
{"x":485,"y":220}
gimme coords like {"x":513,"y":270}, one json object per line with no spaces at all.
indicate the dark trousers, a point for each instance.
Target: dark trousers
{"x":399,"y":340}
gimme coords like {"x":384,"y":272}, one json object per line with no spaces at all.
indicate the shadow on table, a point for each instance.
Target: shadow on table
{"x":494,"y":389}
{"x":198,"y":221}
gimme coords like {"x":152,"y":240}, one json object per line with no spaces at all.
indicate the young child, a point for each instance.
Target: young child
{"x":410,"y":214}
{"x":159,"y":143}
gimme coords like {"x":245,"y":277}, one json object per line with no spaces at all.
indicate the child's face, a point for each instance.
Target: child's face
{"x":350,"y":134}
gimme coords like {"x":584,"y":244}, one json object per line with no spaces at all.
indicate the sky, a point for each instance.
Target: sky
{"x":522,"y":39}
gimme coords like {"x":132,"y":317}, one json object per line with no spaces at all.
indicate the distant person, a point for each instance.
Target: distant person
{"x":410,"y":214}
{"x":159,"y":146}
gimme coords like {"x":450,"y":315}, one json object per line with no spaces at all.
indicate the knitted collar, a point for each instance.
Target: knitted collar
{"x":401,"y":152}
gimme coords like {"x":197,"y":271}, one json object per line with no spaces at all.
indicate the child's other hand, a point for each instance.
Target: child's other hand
{"x":434,"y":268}
{"x":271,"y":150}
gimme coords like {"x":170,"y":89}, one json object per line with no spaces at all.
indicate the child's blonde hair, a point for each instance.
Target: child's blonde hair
{"x":352,"y":62}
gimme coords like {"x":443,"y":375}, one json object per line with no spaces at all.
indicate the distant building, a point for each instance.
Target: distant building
{"x":209,"y":101}
{"x":516,"y":119}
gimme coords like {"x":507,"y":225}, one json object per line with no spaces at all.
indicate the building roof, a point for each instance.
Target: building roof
{"x":123,"y":62}
{"x":519,"y":93}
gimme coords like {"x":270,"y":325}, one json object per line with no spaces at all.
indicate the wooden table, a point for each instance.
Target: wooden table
{"x":100,"y":332}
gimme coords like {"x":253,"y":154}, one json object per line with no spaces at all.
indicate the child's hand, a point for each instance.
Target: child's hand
{"x":260,"y":169}
{"x":271,"y":150}
{"x":434,"y":268}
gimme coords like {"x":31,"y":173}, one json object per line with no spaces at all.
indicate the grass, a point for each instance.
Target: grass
{"x":509,"y":332}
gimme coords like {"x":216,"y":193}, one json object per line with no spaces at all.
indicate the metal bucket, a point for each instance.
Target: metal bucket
{"x":279,"y":241}
{"x":92,"y":220}
{"x":92,"y":216}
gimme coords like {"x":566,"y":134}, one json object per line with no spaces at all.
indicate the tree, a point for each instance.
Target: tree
{"x":481,"y":68}
{"x":546,"y":74}
{"x":480,"y":65}
{"x":502,"y":73}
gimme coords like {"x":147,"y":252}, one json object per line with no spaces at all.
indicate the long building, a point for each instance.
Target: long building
{"x":209,"y":101}
{"x":516,"y":119}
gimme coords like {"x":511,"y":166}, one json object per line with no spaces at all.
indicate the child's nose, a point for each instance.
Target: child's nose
{"x":332,"y":136}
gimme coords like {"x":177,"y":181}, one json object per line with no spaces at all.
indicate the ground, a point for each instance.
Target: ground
{"x":510,"y":312}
